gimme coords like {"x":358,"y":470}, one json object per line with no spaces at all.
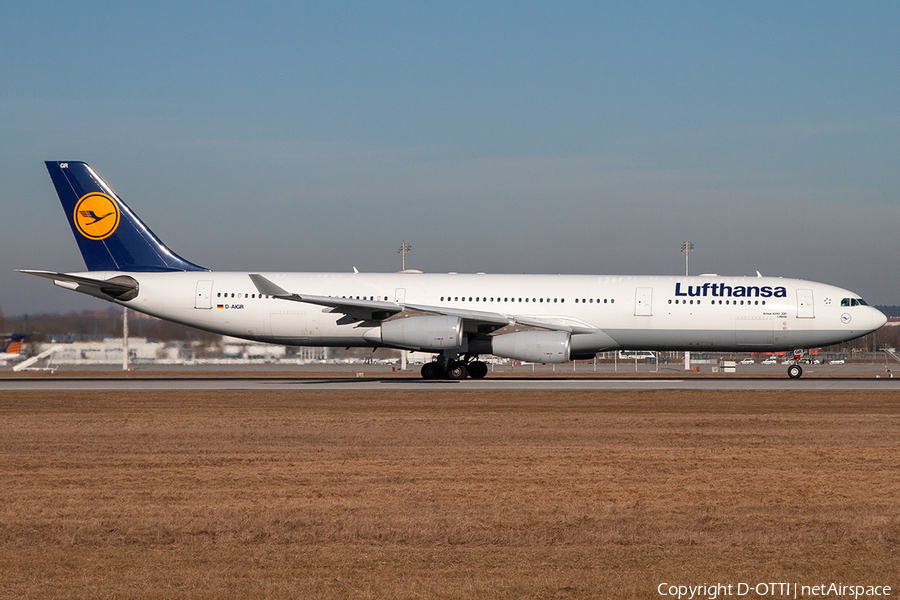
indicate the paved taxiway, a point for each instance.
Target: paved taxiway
{"x":262,"y":384}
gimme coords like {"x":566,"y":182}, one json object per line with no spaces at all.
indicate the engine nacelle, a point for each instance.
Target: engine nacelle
{"x":439,"y":332}
{"x":533,"y":346}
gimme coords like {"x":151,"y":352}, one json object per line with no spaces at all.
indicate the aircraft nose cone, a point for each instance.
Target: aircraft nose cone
{"x":878,"y":319}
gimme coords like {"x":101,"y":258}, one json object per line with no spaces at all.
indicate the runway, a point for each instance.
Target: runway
{"x":262,"y":384}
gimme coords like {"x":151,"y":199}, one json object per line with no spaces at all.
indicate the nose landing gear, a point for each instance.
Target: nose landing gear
{"x":795,"y":371}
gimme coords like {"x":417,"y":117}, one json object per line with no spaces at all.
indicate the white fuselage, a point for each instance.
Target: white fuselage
{"x":630,"y":312}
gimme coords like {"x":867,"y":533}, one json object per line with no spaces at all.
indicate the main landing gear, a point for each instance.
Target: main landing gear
{"x":454,"y":369}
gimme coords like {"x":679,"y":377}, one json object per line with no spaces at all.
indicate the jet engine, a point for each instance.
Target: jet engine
{"x":533,"y":346}
{"x":439,"y":332}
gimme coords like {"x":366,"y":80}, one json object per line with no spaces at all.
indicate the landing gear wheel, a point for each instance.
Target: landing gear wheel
{"x":457,"y":370}
{"x":477,"y":369}
{"x":794,"y":371}
{"x":432,"y":370}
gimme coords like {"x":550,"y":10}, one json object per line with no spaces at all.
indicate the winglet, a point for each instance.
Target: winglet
{"x":266,"y":287}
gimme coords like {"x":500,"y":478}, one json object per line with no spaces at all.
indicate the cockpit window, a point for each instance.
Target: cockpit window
{"x":853,"y":302}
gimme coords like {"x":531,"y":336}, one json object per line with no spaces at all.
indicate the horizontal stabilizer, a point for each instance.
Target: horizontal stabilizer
{"x":119,"y":288}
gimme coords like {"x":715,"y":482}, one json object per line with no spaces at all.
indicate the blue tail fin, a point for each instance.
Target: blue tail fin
{"x":109,"y":235}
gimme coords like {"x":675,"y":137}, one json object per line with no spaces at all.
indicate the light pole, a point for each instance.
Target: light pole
{"x":125,"y":340}
{"x":403,"y":251}
{"x":687,"y":248}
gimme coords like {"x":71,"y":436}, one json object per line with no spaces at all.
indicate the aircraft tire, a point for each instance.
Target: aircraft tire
{"x":457,"y":370}
{"x":794,"y":371}
{"x":432,"y":370}
{"x":477,"y":369}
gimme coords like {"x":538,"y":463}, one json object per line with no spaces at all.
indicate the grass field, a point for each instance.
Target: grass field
{"x":444,"y":495}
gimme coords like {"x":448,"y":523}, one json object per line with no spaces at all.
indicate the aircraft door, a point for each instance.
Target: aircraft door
{"x":805,"y":307}
{"x":400,"y":295}
{"x":203,"y":295}
{"x":643,"y":297}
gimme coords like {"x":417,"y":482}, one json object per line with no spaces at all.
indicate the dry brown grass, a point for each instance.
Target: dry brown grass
{"x":443,"y":494}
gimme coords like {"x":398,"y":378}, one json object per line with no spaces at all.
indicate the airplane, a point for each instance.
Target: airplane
{"x":456,"y":317}
{"x":12,"y":347}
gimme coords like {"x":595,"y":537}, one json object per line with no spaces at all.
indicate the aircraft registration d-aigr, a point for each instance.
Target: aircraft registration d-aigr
{"x":457,"y":317}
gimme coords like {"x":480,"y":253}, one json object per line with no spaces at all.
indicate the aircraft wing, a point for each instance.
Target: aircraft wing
{"x":556,"y":324}
{"x":494,"y":318}
{"x":380,"y":310}
{"x":120,"y":288}
{"x":360,"y":309}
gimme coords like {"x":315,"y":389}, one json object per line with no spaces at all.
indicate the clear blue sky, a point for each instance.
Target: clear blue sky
{"x":560,"y":137}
